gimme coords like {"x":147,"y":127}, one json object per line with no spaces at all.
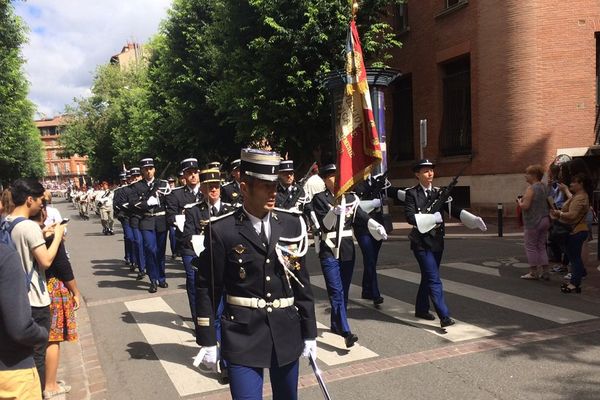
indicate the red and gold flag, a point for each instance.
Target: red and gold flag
{"x":358,"y":144}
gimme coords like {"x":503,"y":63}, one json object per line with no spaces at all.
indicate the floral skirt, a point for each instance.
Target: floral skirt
{"x":62,"y":327}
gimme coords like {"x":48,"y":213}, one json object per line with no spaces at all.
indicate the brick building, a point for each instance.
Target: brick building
{"x":131,"y":54}
{"x":503,"y":84}
{"x":59,"y":168}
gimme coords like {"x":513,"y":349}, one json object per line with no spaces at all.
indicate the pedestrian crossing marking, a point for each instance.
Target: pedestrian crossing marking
{"x":332,"y":348}
{"x":541,"y":310}
{"x":155,"y":319}
{"x":404,"y":312}
{"x":473,"y":268}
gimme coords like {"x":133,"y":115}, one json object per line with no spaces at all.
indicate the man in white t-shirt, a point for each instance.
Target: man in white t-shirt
{"x":36,"y":258}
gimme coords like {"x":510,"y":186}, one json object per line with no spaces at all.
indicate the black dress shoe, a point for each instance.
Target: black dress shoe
{"x":447,"y":321}
{"x":428,"y":316}
{"x":365,"y":297}
{"x":163,"y":285}
{"x":152,"y":288}
{"x":378,"y":300}
{"x":140,"y":276}
{"x":350,"y":339}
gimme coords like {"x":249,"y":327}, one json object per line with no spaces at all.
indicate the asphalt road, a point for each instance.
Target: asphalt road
{"x":146,"y":346}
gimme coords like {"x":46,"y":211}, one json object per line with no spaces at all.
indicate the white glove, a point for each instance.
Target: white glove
{"x":310,"y":347}
{"x":338,"y":210}
{"x":376,"y":203}
{"x":438,"y":217}
{"x":382,"y":232}
{"x":472,"y":221}
{"x":401,"y":194}
{"x":481,"y":225}
{"x":207,"y":356}
{"x":152,"y":201}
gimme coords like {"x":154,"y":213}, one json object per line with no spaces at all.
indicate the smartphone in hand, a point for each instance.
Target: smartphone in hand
{"x":64,"y":221}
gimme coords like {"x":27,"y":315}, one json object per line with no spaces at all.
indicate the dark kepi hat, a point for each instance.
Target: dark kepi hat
{"x":128,"y":174}
{"x":146,"y":162}
{"x":135,"y":171}
{"x":423,"y":163}
{"x":286,"y":166}
{"x":213,"y":165}
{"x":171,"y":179}
{"x":327,"y":169}
{"x":123,"y":176}
{"x":210,"y":175}
{"x":189,"y":163}
{"x":235,"y":164}
{"x":180,"y":174}
{"x":260,"y":164}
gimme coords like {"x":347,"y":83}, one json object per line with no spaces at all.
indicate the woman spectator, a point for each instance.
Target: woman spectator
{"x":65,"y":300}
{"x":573,"y":214}
{"x":6,"y":204}
{"x":536,"y":223}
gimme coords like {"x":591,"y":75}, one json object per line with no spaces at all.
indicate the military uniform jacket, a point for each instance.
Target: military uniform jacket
{"x":415,"y":203}
{"x":130,"y":199}
{"x":143,"y":192}
{"x":285,"y":196}
{"x":196,"y":223}
{"x":119,"y":200}
{"x":175,"y":205}
{"x":244,"y":267}
{"x":358,"y":219}
{"x":230,"y":193}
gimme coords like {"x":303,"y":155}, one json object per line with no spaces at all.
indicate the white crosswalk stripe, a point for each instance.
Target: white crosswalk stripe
{"x":403,"y":311}
{"x":332,"y":349}
{"x":541,"y":310}
{"x":473,"y":268}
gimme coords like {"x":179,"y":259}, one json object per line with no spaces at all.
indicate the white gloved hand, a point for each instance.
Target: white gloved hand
{"x":438,"y":217}
{"x":152,"y":201}
{"x":310,"y":347}
{"x":472,"y":221}
{"x":376,"y":203}
{"x":382,"y":232}
{"x":338,"y":210}
{"x":481,"y":225}
{"x":401,"y":195}
{"x":207,"y":356}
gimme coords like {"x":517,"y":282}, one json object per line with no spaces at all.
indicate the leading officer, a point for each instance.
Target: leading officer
{"x":427,"y":240}
{"x":256,"y":255}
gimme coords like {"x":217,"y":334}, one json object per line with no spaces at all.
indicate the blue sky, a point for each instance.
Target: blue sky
{"x":68,"y":39}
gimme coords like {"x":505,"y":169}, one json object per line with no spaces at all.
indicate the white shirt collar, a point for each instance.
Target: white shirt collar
{"x":217,"y":205}
{"x":194,"y":189}
{"x":425,"y":188}
{"x":150,"y":182}
{"x":255,"y":221}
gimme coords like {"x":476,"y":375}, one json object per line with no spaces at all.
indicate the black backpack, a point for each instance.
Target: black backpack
{"x":6,"y":228}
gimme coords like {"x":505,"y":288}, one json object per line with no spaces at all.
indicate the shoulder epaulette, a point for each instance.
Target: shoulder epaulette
{"x":287,"y":211}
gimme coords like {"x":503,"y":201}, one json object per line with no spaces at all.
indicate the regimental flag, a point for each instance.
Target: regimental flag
{"x":358,"y":144}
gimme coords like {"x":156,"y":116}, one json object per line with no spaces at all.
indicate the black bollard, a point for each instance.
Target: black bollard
{"x":500,"y":220}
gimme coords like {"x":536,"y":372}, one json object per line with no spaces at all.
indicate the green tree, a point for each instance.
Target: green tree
{"x":20,"y":143}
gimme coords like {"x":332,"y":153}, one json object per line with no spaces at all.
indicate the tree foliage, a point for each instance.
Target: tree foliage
{"x":20,"y":143}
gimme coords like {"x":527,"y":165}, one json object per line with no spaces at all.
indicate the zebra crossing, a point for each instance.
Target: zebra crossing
{"x":165,"y":326}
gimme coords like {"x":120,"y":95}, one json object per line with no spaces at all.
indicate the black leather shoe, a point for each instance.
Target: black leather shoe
{"x":378,"y":300}
{"x":350,"y":339}
{"x":140,"y":276}
{"x":365,"y":297}
{"x":428,"y":316}
{"x":163,"y":285}
{"x":447,"y":321}
{"x":152,"y":288}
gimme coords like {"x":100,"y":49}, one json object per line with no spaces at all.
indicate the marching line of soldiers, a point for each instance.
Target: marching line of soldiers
{"x":243,"y":247}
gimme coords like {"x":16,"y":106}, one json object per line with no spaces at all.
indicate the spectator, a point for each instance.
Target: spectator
{"x":18,"y":332}
{"x":52,"y":214}
{"x":27,"y":195}
{"x":65,"y":298}
{"x":536,"y":223}
{"x":573,"y":214}
{"x":6,"y":203}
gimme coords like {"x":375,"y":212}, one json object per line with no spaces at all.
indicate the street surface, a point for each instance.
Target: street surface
{"x":514,"y":339}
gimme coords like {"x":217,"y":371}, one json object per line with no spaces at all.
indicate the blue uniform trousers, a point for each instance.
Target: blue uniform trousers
{"x":128,"y":241}
{"x":338,"y":276}
{"x":155,"y":244}
{"x":370,"y":251}
{"x":246,"y":383}
{"x":172,"y":240}
{"x":431,"y":284}
{"x":138,"y":249}
{"x":190,"y":283}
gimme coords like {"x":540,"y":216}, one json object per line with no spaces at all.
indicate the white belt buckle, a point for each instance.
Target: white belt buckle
{"x":261,"y":303}
{"x":276,"y":303}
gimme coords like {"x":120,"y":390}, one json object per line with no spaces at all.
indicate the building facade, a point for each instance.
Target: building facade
{"x":502,"y":84}
{"x":59,"y":169}
{"x":131,"y":54}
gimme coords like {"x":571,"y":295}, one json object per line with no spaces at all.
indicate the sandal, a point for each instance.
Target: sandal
{"x":529,"y":276}
{"x":62,"y":389}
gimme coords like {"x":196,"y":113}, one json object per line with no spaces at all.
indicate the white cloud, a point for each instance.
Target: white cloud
{"x":68,"y":39}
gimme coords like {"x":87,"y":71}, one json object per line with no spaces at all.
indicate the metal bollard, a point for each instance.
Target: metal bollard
{"x":500,"y":220}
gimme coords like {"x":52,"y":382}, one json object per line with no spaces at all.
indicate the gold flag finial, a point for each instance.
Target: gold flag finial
{"x":354,"y":5}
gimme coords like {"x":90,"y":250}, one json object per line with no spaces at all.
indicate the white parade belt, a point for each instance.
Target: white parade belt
{"x":255,"y":302}
{"x":329,"y":236}
{"x":157,"y":214}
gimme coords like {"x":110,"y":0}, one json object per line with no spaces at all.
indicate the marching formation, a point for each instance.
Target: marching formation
{"x":243,"y":242}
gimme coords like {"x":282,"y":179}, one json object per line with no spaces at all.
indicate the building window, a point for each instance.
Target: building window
{"x":455,"y":137}
{"x":67,"y":168}
{"x":401,"y":20}
{"x":402,"y":143}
